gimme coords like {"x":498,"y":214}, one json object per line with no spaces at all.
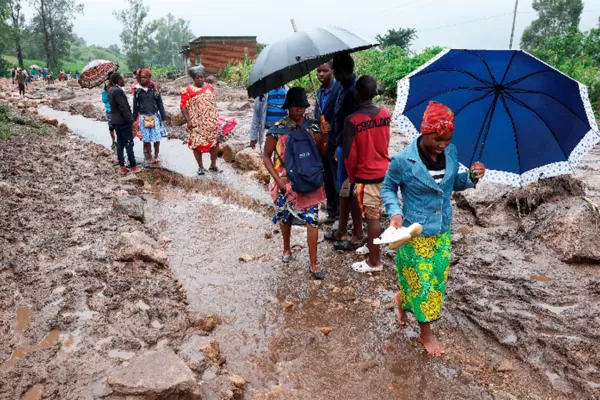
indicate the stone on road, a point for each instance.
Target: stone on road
{"x":132,"y":206}
{"x":139,"y":246}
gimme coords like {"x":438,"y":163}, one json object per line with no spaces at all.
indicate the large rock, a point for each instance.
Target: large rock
{"x":154,"y":376}
{"x":570,"y":228}
{"x":132,"y":206}
{"x":67,"y":95}
{"x":73,"y":83}
{"x":192,"y":355}
{"x":176,"y":119}
{"x":139,"y":246}
{"x":50,"y":121}
{"x":230,"y":149}
{"x":248,"y":159}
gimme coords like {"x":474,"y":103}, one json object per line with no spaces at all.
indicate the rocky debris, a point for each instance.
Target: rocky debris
{"x":132,"y":206}
{"x":211,"y":349}
{"x":209,"y":322}
{"x":154,"y":376}
{"x":20,"y":105}
{"x":176,"y":119}
{"x":139,"y":246}
{"x":63,"y":129}
{"x":326,"y":330}
{"x":190,"y":352}
{"x":51,"y":87}
{"x":249,"y":258}
{"x":230,"y":149}
{"x":7,"y":190}
{"x":571,"y":229}
{"x":248,"y":160}
{"x":505,"y":366}
{"x":73,"y":84}
{"x":238,"y":381}
{"x":65,"y":95}
{"x":551,"y":190}
{"x":345,"y":294}
{"x":88,"y":110}
{"x":50,"y":121}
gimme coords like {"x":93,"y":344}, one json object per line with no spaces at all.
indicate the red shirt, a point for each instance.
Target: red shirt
{"x":366,"y":143}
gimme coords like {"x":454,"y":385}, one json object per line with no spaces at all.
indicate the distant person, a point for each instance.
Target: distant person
{"x":68,"y":76}
{"x":61,"y":75}
{"x":122,"y":120}
{"x":14,"y":74}
{"x":343,"y":69}
{"x":426,"y":173}
{"x":148,"y":104}
{"x":327,"y":96}
{"x":366,"y":142}
{"x":199,"y":107}
{"x":21,"y":77}
{"x":267,"y":110}
{"x":50,"y":78}
{"x":105,"y":100}
{"x":34,"y":73}
{"x":287,"y":196}
{"x":77,"y":76}
{"x":44,"y":74}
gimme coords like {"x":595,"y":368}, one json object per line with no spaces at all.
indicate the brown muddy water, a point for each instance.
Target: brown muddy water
{"x":515,"y":323}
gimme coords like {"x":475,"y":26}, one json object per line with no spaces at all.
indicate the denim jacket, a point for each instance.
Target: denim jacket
{"x":425,"y":202}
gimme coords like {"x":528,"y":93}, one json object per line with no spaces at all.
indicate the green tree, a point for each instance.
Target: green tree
{"x":402,"y":37}
{"x":137,"y":36}
{"x":53,"y":20}
{"x":17,"y":25}
{"x":260,"y":47}
{"x":4,"y":30}
{"x":171,"y":35}
{"x":555,"y":18}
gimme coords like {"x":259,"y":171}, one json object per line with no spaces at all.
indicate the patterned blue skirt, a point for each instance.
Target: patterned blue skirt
{"x":284,"y":212}
{"x":152,"y":135}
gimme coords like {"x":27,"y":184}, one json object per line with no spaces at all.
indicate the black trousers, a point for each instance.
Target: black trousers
{"x":124,"y":134}
{"x":333,"y":198}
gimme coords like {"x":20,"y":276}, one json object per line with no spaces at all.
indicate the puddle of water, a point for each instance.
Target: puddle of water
{"x":540,"y":278}
{"x":123,"y":355}
{"x":23,"y":350}
{"x":557,"y":309}
{"x":35,"y":393}
{"x":547,"y":332}
{"x":22,"y":319}
{"x":510,"y":339}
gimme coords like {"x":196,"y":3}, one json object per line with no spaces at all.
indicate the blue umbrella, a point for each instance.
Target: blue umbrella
{"x":520,"y":117}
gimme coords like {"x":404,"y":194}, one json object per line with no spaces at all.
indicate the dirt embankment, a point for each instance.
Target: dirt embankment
{"x":88,"y":306}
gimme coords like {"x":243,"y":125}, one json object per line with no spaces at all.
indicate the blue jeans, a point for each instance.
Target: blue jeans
{"x":124,"y":135}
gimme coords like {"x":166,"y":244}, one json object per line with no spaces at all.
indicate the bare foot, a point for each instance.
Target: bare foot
{"x":433,"y":347}
{"x":402,"y":316}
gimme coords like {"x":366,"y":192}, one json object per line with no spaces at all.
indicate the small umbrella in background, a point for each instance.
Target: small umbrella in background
{"x":298,"y":54}
{"x":522,"y":118}
{"x":96,"y":73}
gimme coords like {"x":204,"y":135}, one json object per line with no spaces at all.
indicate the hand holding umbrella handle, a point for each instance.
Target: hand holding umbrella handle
{"x":477,"y":170}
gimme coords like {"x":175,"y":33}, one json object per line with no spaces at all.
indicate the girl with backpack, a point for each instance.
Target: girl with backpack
{"x":292,"y":155}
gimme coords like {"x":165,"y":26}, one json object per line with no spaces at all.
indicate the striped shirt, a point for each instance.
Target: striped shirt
{"x":436,"y":168}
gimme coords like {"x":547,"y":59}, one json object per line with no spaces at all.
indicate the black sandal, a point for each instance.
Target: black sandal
{"x":214,"y":169}
{"x":331,"y":236}
{"x":346,"y":245}
{"x":319,"y":275}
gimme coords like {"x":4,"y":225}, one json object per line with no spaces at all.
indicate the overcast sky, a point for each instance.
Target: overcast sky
{"x":456,"y":23}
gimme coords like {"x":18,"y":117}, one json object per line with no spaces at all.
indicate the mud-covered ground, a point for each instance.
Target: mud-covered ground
{"x":521,"y":314}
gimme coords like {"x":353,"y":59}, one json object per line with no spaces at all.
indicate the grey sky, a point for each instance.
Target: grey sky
{"x":270,"y":19}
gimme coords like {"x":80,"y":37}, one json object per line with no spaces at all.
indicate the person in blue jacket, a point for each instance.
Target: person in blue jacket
{"x":111,"y":128}
{"x":426,"y":172}
{"x":326,"y":98}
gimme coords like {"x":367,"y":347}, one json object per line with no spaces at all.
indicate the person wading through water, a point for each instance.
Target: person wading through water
{"x":199,"y":107}
{"x":285,"y":192}
{"x":426,"y":172}
{"x":148,"y":104}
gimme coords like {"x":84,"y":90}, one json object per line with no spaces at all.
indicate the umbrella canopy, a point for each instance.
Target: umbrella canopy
{"x":34,"y":66}
{"x":298,"y":54}
{"x":519,"y":116}
{"x":96,"y":73}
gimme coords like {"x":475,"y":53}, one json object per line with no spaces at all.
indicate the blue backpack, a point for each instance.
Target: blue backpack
{"x":303,"y":163}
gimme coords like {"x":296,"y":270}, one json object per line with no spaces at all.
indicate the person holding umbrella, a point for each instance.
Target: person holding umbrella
{"x":122,"y":120}
{"x":426,"y":172}
{"x":199,"y":107}
{"x":291,"y":199}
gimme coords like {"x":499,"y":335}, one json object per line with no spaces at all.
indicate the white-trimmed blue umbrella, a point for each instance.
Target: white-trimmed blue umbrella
{"x":522,"y":118}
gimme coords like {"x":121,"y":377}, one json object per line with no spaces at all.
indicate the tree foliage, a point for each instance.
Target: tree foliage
{"x":136,"y":36}
{"x":4,"y":30}
{"x":171,"y":35}
{"x":555,"y":18}
{"x":402,"y":37}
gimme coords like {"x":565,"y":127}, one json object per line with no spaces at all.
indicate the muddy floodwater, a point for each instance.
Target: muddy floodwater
{"x":520,"y":321}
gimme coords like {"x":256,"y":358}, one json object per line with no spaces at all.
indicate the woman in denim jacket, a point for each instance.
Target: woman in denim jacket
{"x":426,"y":172}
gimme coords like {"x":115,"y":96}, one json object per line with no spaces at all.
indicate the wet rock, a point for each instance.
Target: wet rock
{"x":51,"y":87}
{"x":132,"y":206}
{"x":88,"y":110}
{"x":176,"y":119}
{"x":230,"y":149}
{"x":7,"y":190}
{"x":63,"y":129}
{"x":347,"y":293}
{"x":249,"y":258}
{"x":66,"y":95}
{"x":190,"y":352}
{"x":238,"y":381}
{"x":155,"y":375}
{"x":139,"y":246}
{"x":209,"y":323}
{"x":212,"y":349}
{"x":551,"y":190}
{"x":210,"y":374}
{"x":263,"y":175}
{"x":505,"y":366}
{"x":20,"y":105}
{"x":326,"y":330}
{"x":50,"y":121}
{"x":570,"y":228}
{"x":248,"y":160}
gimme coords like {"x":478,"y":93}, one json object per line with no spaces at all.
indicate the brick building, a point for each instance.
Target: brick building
{"x":215,"y":52}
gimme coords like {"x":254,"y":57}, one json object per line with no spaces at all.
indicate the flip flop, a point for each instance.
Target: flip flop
{"x":201,"y":171}
{"x":363,"y":251}
{"x":363,"y":267}
{"x":286,"y":259}
{"x":214,"y":169}
{"x":319,"y":275}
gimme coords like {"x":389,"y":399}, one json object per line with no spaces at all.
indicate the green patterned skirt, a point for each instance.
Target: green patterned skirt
{"x":422,"y":266}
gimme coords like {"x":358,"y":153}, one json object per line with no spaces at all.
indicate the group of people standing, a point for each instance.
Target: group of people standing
{"x":350,"y":139}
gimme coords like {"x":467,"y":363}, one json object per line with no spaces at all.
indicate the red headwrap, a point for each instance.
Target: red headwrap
{"x":438,"y":119}
{"x":144,"y":71}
